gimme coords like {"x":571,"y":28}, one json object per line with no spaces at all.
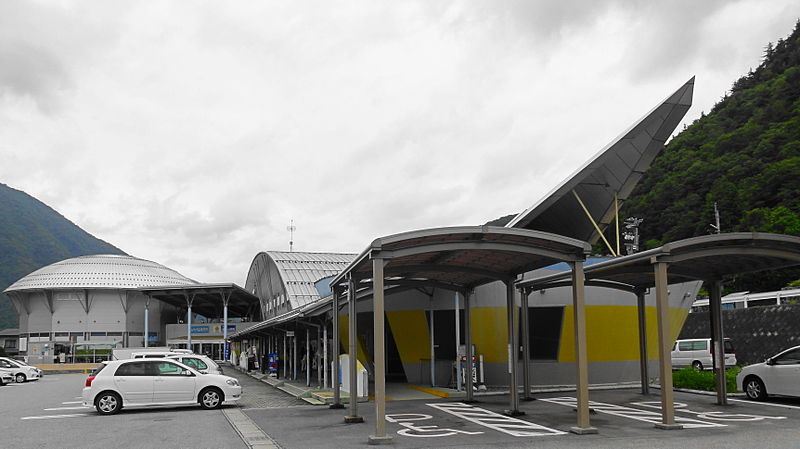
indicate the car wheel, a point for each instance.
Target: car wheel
{"x":20,"y":378}
{"x":211,"y":398}
{"x":108,"y":403}
{"x":697,"y":365}
{"x":755,"y":389}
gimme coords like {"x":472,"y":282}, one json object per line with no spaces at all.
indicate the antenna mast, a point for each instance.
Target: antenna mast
{"x":716,"y":217}
{"x":291,"y":228}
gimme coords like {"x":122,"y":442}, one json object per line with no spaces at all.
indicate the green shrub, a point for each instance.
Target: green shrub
{"x":693,"y":379}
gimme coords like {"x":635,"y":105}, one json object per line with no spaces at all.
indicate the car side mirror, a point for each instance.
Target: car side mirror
{"x":188,"y":373}
{"x":769,"y":361}
{"x":203,"y":372}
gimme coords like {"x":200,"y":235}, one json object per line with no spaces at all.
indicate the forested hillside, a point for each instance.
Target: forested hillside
{"x":744,"y":155}
{"x":33,"y":235}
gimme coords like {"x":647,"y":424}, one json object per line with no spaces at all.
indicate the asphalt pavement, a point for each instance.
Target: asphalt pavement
{"x":48,"y":414}
{"x":624,"y":419}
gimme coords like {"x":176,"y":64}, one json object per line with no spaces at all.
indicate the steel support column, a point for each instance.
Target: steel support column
{"x":664,"y":350}
{"x":640,"y":309}
{"x":581,"y":358}
{"x":308,"y":357}
{"x":513,"y":349}
{"x":294,"y":354}
{"x":525,"y":332}
{"x":457,"y":318}
{"x":380,"y":436}
{"x":335,"y":380}
{"x":352,"y":352}
{"x":324,"y":355}
{"x":318,"y":359}
{"x":717,"y":338}
{"x":468,"y":384}
{"x":225,"y":299}
{"x":146,"y":321}
{"x":433,"y":343}
{"x":284,"y":356}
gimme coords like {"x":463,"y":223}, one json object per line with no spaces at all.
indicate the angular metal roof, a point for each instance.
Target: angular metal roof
{"x":615,"y":169}
{"x":293,"y":274}
{"x":100,"y":272}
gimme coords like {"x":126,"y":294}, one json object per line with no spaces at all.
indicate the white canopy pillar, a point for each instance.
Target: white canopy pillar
{"x":581,"y":358}
{"x":468,"y":384}
{"x":717,"y":338}
{"x":525,"y":332}
{"x":513,"y":349}
{"x":336,"y":382}
{"x":352,"y":352}
{"x":380,"y":436}
{"x":664,"y":352}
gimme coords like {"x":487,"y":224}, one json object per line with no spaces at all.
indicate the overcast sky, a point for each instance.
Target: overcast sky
{"x":191,"y":133}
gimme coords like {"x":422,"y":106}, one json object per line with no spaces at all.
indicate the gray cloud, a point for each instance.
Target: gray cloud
{"x":35,"y":72}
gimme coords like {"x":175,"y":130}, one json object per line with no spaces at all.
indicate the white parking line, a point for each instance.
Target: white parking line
{"x":66,"y":408}
{"x":632,"y":413}
{"x":764,"y":403}
{"x":55,"y":416}
{"x":501,"y":423}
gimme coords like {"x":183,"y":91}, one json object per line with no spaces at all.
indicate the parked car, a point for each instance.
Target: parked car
{"x":6,"y":375}
{"x":199,"y":362}
{"x":697,"y":353}
{"x":149,"y":382}
{"x":778,"y":375}
{"x":152,"y":355}
{"x":21,"y":371}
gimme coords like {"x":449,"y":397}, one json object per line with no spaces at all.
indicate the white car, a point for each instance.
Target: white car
{"x":779,"y":375}
{"x":21,"y":371}
{"x":5,"y":375}
{"x":149,"y":382}
{"x":199,"y":362}
{"x":698,"y":353}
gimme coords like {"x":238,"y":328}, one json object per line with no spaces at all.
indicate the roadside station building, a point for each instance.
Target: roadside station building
{"x":79,"y":309}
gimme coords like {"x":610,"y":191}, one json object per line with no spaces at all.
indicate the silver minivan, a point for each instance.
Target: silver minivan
{"x":697,"y":353}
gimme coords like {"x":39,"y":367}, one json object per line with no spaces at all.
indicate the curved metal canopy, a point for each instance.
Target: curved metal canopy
{"x":465,"y":256}
{"x":709,"y":257}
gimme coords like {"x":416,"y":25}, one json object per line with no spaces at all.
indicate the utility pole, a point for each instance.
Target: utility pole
{"x":716,"y":217}
{"x":291,"y":228}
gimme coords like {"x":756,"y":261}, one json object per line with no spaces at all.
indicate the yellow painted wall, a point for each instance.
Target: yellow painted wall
{"x":490,"y":333}
{"x":344,"y":337}
{"x":612,"y":333}
{"x":411,"y":334}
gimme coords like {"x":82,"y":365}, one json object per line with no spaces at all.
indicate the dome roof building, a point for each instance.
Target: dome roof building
{"x":87,"y":304}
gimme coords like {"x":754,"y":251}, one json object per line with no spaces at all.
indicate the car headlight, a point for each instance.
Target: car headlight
{"x":232,"y":382}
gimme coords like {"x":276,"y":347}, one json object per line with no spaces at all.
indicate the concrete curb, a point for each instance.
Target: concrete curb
{"x":248,"y":431}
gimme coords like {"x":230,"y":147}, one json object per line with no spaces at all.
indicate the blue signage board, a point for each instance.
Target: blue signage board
{"x":199,"y":329}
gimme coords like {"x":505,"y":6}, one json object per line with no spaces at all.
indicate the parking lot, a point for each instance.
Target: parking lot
{"x":48,"y":414}
{"x":624,"y":418}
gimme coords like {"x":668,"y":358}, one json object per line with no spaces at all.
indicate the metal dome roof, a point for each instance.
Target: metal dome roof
{"x":101,"y":272}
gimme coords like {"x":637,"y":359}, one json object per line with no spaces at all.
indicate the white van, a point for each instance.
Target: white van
{"x":696,"y":352}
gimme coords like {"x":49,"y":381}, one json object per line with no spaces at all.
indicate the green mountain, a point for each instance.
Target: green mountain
{"x":33,"y":235}
{"x":744,"y":155}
